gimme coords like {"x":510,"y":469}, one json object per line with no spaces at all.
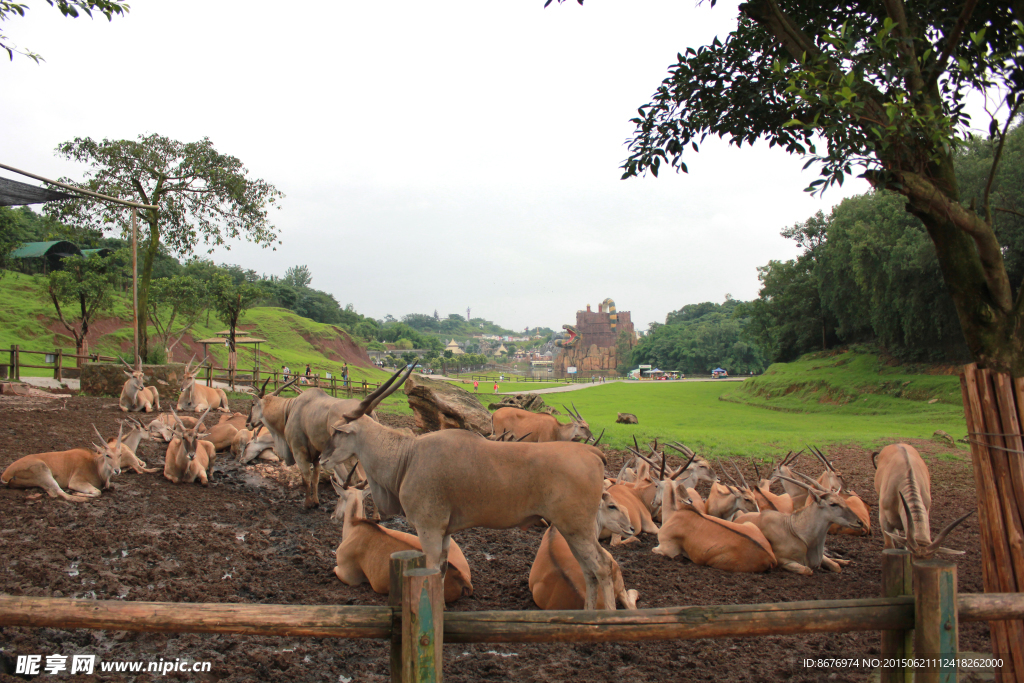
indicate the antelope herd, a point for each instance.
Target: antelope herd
{"x":531,"y":470}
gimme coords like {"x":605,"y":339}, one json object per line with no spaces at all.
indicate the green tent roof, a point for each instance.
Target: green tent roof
{"x":40,"y":249}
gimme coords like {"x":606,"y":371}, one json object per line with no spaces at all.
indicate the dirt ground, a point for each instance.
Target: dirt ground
{"x":247,"y":539}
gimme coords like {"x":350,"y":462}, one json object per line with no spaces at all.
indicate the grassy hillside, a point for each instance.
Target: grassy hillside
{"x":851,"y":382}
{"x":693,"y":412}
{"x":26,"y":318}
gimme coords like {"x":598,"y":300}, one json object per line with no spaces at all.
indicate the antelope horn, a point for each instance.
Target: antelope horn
{"x":126,"y":364}
{"x":138,"y":363}
{"x":683,"y":468}
{"x":524,"y":436}
{"x":742,"y":478}
{"x":622,"y":471}
{"x":577,"y":411}
{"x":263,"y":389}
{"x":757,"y":473}
{"x":798,"y":483}
{"x":635,"y":444}
{"x":120,"y":428}
{"x":188,"y":367}
{"x":102,"y":440}
{"x":812,"y":481}
{"x":200,"y":421}
{"x":598,"y":439}
{"x":177,"y":419}
{"x":664,"y":461}
{"x":349,"y":477}
{"x":934,"y":545}
{"x":726,"y":472}
{"x":382,"y":392}
{"x":277,"y":391}
{"x":681,"y":448}
{"x":822,"y":459}
{"x":642,"y":457}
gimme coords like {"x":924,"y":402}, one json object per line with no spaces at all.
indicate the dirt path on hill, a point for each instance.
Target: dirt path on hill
{"x":246,"y":539}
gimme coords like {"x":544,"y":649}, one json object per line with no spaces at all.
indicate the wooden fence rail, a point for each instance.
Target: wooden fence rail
{"x":416,"y":623}
{"x":12,"y":369}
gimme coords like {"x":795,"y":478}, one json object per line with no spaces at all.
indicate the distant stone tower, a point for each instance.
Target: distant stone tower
{"x":592,"y":344}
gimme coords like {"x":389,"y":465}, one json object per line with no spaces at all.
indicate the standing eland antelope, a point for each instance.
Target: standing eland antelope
{"x":188,"y":456}
{"x":710,"y":541}
{"x":447,"y":481}
{"x":556,"y":579}
{"x":197,"y":397}
{"x":301,"y":427}
{"x":539,"y":427}
{"x":798,"y":539}
{"x":903,"y":484}
{"x":363,"y":556}
{"x":83,"y":472}
{"x":135,"y":395}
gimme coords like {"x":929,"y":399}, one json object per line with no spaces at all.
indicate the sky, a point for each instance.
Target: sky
{"x":434,"y":155}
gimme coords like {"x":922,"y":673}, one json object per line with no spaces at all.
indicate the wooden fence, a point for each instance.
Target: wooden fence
{"x":919,"y":625}
{"x":12,"y":370}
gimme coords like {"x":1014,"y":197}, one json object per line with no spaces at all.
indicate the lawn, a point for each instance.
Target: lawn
{"x":693,"y":413}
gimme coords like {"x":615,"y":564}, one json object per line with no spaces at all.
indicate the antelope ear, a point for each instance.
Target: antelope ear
{"x":343,"y":426}
{"x":607,"y":497}
{"x":128,"y":374}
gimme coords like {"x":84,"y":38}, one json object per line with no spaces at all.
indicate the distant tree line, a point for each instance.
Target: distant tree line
{"x":869,"y":273}
{"x":698,"y":338}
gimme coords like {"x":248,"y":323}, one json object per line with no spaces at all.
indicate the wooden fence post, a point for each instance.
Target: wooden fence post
{"x":58,"y":366}
{"x":400,"y":563}
{"x":15,"y":361}
{"x":936,"y":631}
{"x":422,"y":625}
{"x":897,"y":580}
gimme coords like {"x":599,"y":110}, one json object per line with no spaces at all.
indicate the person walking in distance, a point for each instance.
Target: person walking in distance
{"x":476,"y":386}
{"x":495,"y":387}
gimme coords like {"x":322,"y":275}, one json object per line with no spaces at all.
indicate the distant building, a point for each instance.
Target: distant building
{"x":454,"y":347}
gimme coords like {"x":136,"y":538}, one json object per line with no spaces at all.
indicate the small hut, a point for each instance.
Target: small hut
{"x":42,"y":257}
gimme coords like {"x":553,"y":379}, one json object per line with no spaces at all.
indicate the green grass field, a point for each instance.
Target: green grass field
{"x":855,"y":381}
{"x":693,"y":412}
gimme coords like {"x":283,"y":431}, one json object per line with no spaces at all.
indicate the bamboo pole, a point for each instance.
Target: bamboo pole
{"x":401,"y":562}
{"x":1007,"y":637}
{"x":897,"y":581}
{"x":422,"y":625}
{"x":936,"y":632}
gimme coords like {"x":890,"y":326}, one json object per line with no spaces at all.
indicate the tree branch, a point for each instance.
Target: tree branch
{"x":60,"y":315}
{"x":927,"y":197}
{"x":898,"y":13}
{"x":951,"y":41}
{"x":995,"y":162}
{"x":1009,"y":211}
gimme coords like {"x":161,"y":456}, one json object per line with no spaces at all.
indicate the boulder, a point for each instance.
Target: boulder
{"x":626,"y":419}
{"x":443,"y":405}
{"x":532,"y":402}
{"x":107,"y":379}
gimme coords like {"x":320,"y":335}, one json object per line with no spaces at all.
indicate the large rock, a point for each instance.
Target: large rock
{"x":532,"y":402}
{"x":107,"y":379}
{"x":443,"y":405}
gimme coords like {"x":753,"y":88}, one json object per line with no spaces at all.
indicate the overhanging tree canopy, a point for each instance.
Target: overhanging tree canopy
{"x":881,"y":86}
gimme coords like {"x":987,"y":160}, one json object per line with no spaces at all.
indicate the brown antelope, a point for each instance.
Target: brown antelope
{"x":832,"y":479}
{"x":163,"y":426}
{"x":556,"y":579}
{"x":798,"y":539}
{"x":365,"y":550}
{"x":903,"y":484}
{"x":188,"y":456}
{"x":221,"y":436}
{"x":236,"y":420}
{"x":301,"y":427}
{"x":726,"y":502}
{"x":195,"y":396}
{"x":710,"y":541}
{"x":540,"y":426}
{"x":130,"y":446}
{"x":83,"y":472}
{"x":453,"y":479}
{"x":784,"y":470}
{"x":629,"y":500}
{"x":135,"y":396}
{"x":766,"y":500}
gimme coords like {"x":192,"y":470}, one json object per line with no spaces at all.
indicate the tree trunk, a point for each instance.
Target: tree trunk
{"x":152,"y":246}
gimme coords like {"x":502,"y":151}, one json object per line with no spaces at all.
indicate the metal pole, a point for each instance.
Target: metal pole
{"x":135,"y":284}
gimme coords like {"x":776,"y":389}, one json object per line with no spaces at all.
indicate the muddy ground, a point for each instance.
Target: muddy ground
{"x":247,"y":539}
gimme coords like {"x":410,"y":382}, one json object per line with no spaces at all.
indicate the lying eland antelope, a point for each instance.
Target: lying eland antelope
{"x":188,"y":456}
{"x":197,"y":397}
{"x":135,"y":395}
{"x":537,"y":427}
{"x":83,"y":472}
